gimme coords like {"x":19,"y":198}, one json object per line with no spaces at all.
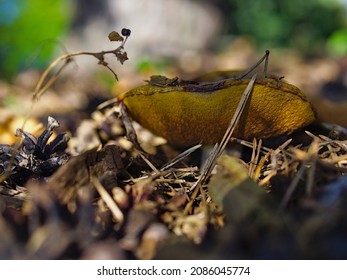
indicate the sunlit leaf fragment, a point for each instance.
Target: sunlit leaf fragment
{"x":233,"y":190}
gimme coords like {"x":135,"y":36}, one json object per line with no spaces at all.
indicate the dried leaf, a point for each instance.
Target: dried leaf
{"x":158,"y":80}
{"x":233,"y":190}
{"x":122,"y":56}
{"x":114,"y":36}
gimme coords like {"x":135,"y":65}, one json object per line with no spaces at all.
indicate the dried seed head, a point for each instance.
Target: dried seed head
{"x":52,"y":123}
{"x":33,"y":158}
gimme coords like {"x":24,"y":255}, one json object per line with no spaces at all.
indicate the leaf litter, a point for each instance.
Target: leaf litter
{"x":282,"y":198}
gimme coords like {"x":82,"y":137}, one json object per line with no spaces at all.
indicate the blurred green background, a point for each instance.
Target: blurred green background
{"x":313,"y":27}
{"x":30,"y":30}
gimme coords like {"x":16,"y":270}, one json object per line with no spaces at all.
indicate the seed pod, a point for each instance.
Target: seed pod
{"x":190,"y":113}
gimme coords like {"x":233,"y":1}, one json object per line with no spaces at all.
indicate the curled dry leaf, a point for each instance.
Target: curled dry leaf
{"x":114,"y":36}
{"x":188,"y":113}
{"x":233,"y":190}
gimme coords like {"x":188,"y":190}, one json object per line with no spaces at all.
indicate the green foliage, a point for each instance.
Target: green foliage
{"x":301,"y":24}
{"x":337,"y":43}
{"x":29,"y":32}
{"x":146,"y":64}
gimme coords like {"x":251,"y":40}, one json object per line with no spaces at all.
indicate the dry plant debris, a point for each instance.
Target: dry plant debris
{"x":267,"y":199}
{"x":33,"y":157}
{"x":267,"y":203}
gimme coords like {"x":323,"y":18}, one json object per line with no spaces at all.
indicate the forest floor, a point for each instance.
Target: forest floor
{"x":282,"y":198}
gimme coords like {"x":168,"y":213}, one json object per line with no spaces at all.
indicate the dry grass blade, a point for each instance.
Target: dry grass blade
{"x":306,"y":158}
{"x":292,"y":187}
{"x":42,"y":87}
{"x":108,"y":103}
{"x":311,"y":177}
{"x":116,"y":212}
{"x":180,"y":157}
{"x":248,"y":144}
{"x":255,"y":157}
{"x":265,"y":57}
{"x":149,"y":163}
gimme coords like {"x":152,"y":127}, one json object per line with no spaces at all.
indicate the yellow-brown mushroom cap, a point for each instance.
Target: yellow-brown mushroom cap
{"x":188,"y":115}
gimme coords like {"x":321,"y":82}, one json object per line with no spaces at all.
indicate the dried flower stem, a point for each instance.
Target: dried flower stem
{"x":119,"y":52}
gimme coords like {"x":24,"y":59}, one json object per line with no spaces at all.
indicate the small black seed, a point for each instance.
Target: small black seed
{"x":126,"y":32}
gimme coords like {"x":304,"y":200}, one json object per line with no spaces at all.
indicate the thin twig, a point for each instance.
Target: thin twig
{"x":149,"y":163}
{"x":66,"y":58}
{"x":180,"y":157}
{"x":255,"y":157}
{"x":106,"y":197}
{"x":107,"y":103}
{"x":308,"y":157}
{"x":292,"y":187}
{"x":265,"y":57}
